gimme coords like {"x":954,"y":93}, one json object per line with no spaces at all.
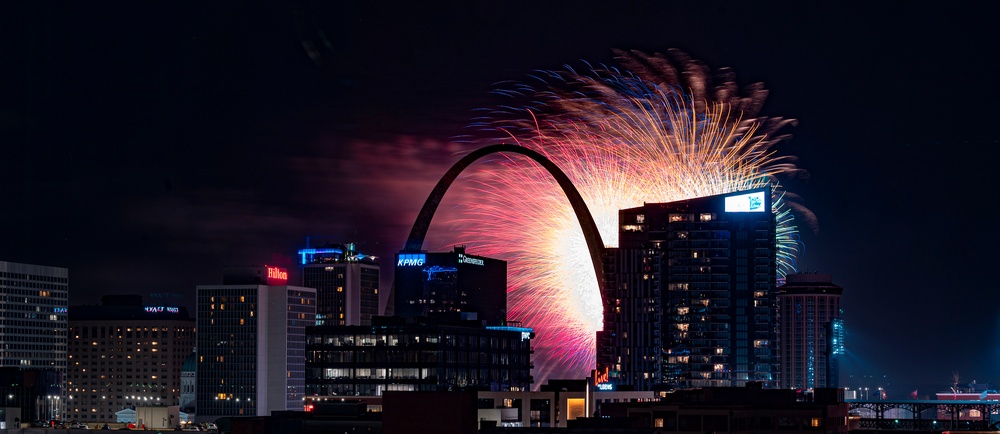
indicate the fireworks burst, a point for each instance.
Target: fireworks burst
{"x":655,"y":130}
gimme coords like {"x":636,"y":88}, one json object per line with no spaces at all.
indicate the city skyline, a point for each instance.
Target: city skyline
{"x":158,"y":141}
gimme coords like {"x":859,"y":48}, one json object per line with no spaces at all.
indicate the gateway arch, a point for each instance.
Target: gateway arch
{"x":414,"y":243}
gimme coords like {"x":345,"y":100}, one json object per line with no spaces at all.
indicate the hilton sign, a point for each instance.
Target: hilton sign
{"x":276,"y":276}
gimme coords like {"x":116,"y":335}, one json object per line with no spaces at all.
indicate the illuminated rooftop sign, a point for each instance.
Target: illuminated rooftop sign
{"x":159,"y":309}
{"x":335,"y":254}
{"x":602,"y":379}
{"x":277,"y":276}
{"x":411,"y":259}
{"x":307,"y":254}
{"x":749,"y":202}
{"x":526,"y":333}
{"x":462,"y":259}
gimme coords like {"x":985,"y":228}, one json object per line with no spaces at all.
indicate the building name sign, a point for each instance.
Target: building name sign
{"x":159,"y":309}
{"x":277,"y":273}
{"x":411,"y":260}
{"x":749,"y":202}
{"x":601,"y":379}
{"x":60,"y":310}
{"x":601,"y":375}
{"x":462,"y":259}
{"x":276,"y":276}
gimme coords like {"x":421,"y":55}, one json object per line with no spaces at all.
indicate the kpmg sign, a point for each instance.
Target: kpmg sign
{"x":411,"y":260}
{"x":750,"y":202}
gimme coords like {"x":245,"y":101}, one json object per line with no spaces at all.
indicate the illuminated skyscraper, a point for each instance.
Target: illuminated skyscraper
{"x":690,"y":296}
{"x":810,"y":332}
{"x":33,"y":314}
{"x":251,"y":343}
{"x":346,"y":283}
{"x":451,"y":284}
{"x":125,"y":354}
{"x":33,"y":319}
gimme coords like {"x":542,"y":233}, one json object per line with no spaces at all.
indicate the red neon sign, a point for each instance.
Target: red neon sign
{"x":601,"y":376}
{"x":276,"y":276}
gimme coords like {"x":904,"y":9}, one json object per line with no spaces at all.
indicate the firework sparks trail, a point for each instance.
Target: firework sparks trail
{"x":649,"y":132}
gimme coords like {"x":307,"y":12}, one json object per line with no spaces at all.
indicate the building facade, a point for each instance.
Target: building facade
{"x":30,"y":394}
{"x":810,"y":332}
{"x":34,"y":301}
{"x":251,"y":343}
{"x":124,"y":354}
{"x":690,"y":294}
{"x":452,"y":284}
{"x":346,"y":283}
{"x":748,"y":410}
{"x":556,"y":404}
{"x":189,"y":375}
{"x":359,"y":360}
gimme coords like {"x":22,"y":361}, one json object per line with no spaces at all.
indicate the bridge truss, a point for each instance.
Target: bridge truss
{"x":934,"y":415}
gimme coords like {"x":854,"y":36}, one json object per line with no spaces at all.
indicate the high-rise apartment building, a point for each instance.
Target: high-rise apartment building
{"x":34,"y":301}
{"x":690,"y":294}
{"x":346,"y":283}
{"x":454,"y":284}
{"x":810,"y":331}
{"x":251,"y":343}
{"x":122,"y":354}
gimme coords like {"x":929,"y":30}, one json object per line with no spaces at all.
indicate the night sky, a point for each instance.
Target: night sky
{"x":147,"y":146}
